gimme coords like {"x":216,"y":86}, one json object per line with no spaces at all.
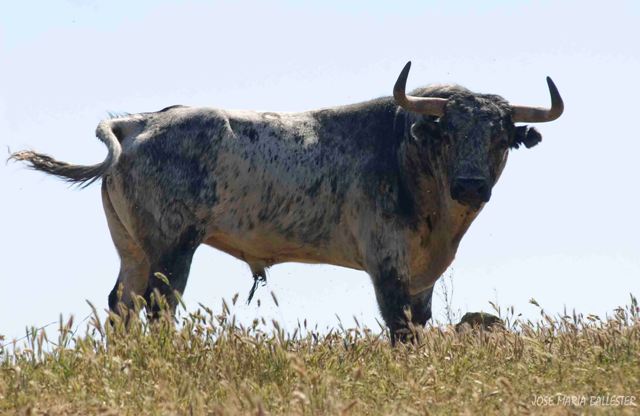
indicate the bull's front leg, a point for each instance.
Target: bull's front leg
{"x":400,"y":310}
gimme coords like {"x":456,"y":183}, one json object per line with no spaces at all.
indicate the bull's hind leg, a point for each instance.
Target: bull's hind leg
{"x":169,"y":269}
{"x":134,"y":266}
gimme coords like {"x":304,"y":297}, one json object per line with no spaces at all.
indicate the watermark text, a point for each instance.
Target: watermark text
{"x":582,"y":400}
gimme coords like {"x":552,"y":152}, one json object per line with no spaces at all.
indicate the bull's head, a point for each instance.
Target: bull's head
{"x":478,"y":131}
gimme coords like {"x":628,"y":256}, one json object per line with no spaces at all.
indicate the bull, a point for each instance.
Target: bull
{"x":388,"y":186}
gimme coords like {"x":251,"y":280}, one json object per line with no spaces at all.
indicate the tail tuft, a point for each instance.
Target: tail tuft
{"x":76,"y":174}
{"x":82,"y":175}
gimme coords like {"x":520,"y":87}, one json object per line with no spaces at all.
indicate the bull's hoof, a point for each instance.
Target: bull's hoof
{"x":400,"y":336}
{"x":405,"y":335}
{"x":482,"y":320}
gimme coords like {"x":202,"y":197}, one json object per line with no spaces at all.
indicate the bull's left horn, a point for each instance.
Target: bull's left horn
{"x":429,"y":106}
{"x":524,"y":114}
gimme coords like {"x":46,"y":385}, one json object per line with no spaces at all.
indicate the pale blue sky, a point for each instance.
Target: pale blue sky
{"x":562,"y":225}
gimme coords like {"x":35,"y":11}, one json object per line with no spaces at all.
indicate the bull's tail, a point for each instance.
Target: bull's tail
{"x":82,"y":175}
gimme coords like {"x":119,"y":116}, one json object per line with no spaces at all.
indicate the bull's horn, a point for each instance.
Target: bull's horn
{"x":429,"y":106}
{"x":524,"y":114}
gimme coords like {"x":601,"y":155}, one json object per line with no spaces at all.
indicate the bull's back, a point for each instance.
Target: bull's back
{"x":256,"y":184}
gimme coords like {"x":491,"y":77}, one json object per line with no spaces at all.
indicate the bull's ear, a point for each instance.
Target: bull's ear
{"x":528,"y":136}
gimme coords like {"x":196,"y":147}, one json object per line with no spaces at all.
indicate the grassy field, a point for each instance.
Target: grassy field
{"x":211,"y":365}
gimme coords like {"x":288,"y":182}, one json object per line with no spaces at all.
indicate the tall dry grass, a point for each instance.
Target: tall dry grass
{"x":210,"y":364}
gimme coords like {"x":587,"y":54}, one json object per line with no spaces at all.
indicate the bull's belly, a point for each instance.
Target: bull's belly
{"x":268,"y":250}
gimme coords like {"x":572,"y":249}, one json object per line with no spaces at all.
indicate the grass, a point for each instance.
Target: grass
{"x":209,"y":364}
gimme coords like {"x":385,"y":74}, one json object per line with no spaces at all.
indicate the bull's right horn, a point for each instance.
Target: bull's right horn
{"x":428,"y":106}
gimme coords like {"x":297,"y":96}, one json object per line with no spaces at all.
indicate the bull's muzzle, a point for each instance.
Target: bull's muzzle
{"x":471,"y":191}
